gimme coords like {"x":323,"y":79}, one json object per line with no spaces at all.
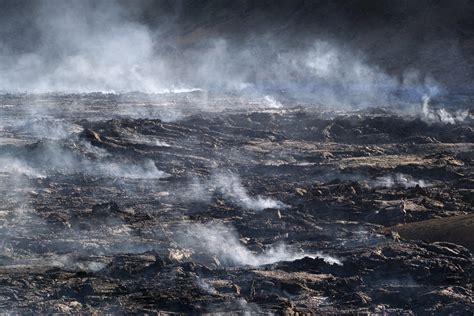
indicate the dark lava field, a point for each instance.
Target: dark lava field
{"x":190,"y":203}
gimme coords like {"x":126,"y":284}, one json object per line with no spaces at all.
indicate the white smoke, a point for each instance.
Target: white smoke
{"x":399,"y":180}
{"x":16,"y":166}
{"x":146,"y":170}
{"x":96,"y":46}
{"x":222,"y":242}
{"x":45,"y":128}
{"x":342,"y":74}
{"x":230,"y":186}
{"x":328,"y":259}
{"x":216,"y":239}
{"x":272,"y":102}
{"x":441,"y":115}
{"x":86,"y":46}
{"x":53,"y":158}
{"x":205,"y":286}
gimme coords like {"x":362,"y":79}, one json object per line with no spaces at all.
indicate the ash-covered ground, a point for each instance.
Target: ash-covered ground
{"x":142,"y":204}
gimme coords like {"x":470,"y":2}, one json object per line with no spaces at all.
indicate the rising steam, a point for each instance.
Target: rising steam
{"x":217,"y":240}
{"x":399,"y":180}
{"x":229,"y":186}
{"x":91,"y":46}
{"x":441,"y":115}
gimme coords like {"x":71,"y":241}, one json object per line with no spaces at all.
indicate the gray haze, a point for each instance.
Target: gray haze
{"x":335,"y":58}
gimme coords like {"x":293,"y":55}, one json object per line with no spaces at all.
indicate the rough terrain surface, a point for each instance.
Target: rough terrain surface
{"x":134,"y":204}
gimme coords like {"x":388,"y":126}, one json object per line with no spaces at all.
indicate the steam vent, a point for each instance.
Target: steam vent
{"x":236,"y":157}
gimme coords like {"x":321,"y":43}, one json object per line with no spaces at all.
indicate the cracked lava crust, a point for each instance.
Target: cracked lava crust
{"x":245,"y":209}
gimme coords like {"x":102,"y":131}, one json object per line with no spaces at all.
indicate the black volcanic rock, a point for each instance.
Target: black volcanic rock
{"x":293,"y":211}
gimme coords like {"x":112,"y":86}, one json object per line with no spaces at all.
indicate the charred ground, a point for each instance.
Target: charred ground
{"x":245,"y":208}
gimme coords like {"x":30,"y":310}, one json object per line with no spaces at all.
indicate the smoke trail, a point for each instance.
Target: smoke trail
{"x":399,"y":180}
{"x":97,"y":46}
{"x":230,"y":186}
{"x":272,"y":103}
{"x":147,"y":170}
{"x":216,"y":239}
{"x":16,"y":166}
{"x":49,"y":158}
{"x":441,"y":115}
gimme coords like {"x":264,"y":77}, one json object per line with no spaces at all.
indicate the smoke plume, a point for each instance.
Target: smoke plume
{"x":441,"y":115}
{"x":229,"y":186}
{"x":399,"y":180}
{"x":106,"y":46}
{"x":221,"y":241}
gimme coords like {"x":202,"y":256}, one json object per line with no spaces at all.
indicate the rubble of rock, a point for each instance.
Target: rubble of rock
{"x":239,"y":210}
